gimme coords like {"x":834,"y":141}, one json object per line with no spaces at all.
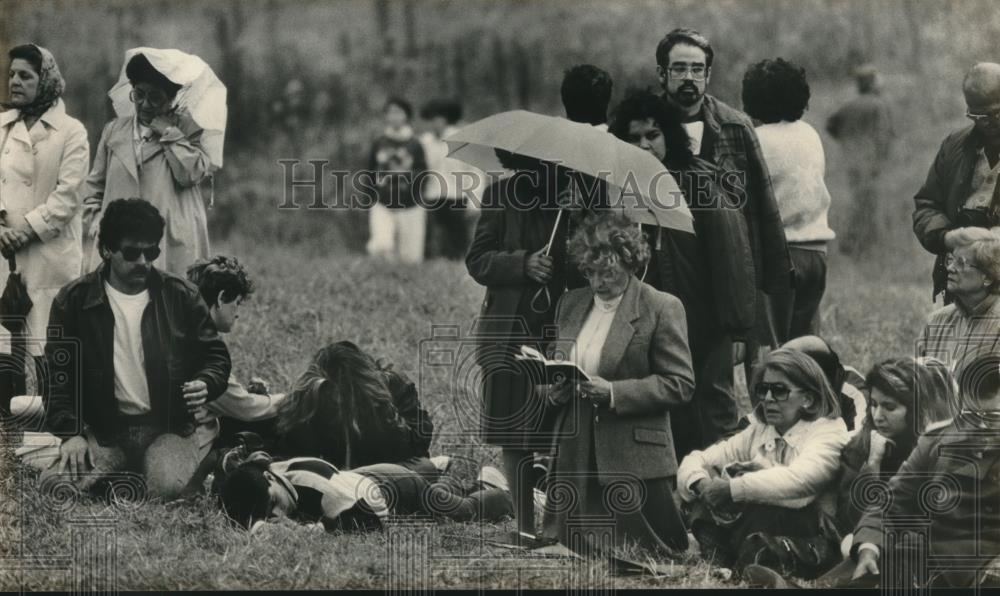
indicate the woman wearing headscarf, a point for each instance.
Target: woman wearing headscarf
{"x":42,"y":162}
{"x":155,"y":149}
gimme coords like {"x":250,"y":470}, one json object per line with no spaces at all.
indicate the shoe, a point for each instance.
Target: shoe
{"x":442,"y":463}
{"x":493,"y":478}
{"x":758,"y":576}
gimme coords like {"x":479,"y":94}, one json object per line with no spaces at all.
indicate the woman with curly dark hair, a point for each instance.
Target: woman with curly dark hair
{"x":351,"y":411}
{"x":614,"y":451}
{"x":775,"y":95}
{"x":711,"y":272}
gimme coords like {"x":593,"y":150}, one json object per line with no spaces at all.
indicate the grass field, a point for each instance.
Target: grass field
{"x":872,"y":310}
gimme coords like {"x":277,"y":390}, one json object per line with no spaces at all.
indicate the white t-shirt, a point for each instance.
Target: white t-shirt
{"x":131,"y":388}
{"x":695,"y":130}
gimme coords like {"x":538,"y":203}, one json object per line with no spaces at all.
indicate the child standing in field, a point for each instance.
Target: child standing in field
{"x":396,"y":221}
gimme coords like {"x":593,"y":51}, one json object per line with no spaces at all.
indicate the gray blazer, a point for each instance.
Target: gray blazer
{"x":647,"y":360}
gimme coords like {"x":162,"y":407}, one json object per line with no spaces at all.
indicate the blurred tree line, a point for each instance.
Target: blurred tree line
{"x":307,"y":78}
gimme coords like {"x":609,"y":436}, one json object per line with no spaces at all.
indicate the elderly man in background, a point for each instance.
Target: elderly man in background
{"x":961,"y":186}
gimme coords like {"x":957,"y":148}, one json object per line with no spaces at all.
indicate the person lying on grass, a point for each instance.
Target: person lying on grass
{"x":353,"y":411}
{"x":225,"y":285}
{"x":257,"y":489}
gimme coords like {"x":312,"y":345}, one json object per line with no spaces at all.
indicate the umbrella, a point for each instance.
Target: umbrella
{"x":202,"y":94}
{"x":646,"y":190}
{"x":15,"y":302}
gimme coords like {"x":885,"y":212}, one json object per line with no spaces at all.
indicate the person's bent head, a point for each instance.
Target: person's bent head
{"x":684,"y":64}
{"x":34,"y":82}
{"x":973,"y":262}
{"x":819,"y":350}
{"x":979,"y":391}
{"x":129,"y":242}
{"x":789,"y":386}
{"x":648,"y":122}
{"x":775,"y":91}
{"x":224,"y":284}
{"x":608,"y":249}
{"x":586,"y":93}
{"x":152,"y":92}
{"x":342,"y":391}
{"x":906,"y":396}
{"x":254,"y":493}
{"x":981,"y":88}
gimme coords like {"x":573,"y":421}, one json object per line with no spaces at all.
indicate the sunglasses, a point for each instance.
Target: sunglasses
{"x":778,"y":391}
{"x":131,"y":253}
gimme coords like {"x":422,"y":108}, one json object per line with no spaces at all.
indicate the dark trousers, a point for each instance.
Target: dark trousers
{"x":13,"y":378}
{"x":409,"y":491}
{"x":712,"y":414}
{"x":722,"y":543}
{"x":448,"y":230}
{"x":797,"y":313}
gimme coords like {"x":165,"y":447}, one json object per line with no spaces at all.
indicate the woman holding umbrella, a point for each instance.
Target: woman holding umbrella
{"x":166,"y":140}
{"x":43,"y":159}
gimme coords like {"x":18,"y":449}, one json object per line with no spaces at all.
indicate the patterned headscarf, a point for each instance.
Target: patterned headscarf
{"x":50,"y":86}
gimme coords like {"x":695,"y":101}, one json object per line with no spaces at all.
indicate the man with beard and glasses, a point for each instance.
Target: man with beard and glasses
{"x":725,"y":137}
{"x":147,"y":357}
{"x":961,"y":187}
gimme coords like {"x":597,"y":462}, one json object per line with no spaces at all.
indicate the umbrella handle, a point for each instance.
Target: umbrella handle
{"x":542,"y":292}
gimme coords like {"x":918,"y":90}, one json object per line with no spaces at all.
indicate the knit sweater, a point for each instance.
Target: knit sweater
{"x":794,"y":155}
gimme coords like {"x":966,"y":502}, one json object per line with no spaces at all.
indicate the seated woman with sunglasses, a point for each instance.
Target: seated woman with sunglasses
{"x":767,"y":479}
{"x":970,"y":326}
{"x":155,"y":152}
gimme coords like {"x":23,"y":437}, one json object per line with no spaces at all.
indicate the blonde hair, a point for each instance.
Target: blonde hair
{"x":806,"y":375}
{"x":985,"y":247}
{"x":608,"y":238}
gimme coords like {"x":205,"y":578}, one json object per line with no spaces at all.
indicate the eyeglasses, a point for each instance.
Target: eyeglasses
{"x":608,"y":275}
{"x":131,"y":253}
{"x":778,"y":391}
{"x":959,"y":263}
{"x":154,"y":99}
{"x":992,"y":118}
{"x":679,"y":70}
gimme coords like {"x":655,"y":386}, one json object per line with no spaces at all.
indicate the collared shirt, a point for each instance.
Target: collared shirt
{"x":956,"y":336}
{"x":790,"y":473}
{"x":984,"y":182}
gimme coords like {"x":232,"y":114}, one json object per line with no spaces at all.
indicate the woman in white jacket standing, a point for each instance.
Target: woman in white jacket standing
{"x":43,"y":160}
{"x":768,"y":478}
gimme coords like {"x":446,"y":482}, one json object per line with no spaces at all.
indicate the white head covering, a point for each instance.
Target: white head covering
{"x":202,"y":94}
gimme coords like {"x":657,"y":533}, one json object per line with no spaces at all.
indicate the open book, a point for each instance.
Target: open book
{"x":552,"y":371}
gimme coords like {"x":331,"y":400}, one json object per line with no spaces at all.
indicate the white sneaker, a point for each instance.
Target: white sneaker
{"x":441,"y":462}
{"x":494,"y":478}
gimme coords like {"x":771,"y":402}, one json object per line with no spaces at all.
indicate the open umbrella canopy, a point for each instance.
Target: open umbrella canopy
{"x":638,"y":183}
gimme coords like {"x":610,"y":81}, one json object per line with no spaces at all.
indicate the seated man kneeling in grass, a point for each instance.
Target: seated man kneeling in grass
{"x":312,"y":490}
{"x":146,"y":356}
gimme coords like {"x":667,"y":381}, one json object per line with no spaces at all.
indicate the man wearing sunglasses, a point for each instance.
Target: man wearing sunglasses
{"x":146,"y":356}
{"x":961,"y":187}
{"x":725,"y":137}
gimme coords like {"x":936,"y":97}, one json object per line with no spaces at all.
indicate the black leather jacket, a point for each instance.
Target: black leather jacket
{"x":180,"y":343}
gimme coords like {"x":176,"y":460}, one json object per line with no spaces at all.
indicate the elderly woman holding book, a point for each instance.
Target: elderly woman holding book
{"x":614,"y":449}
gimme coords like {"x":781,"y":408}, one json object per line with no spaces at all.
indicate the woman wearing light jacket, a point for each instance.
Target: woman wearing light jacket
{"x":769,"y":477}
{"x":42,"y":162}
